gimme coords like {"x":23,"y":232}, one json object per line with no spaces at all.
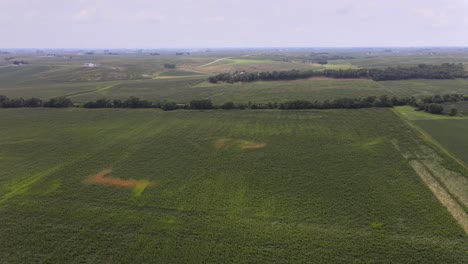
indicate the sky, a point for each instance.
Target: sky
{"x":232,"y":23}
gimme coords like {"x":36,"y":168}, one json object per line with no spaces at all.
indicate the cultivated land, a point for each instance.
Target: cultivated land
{"x":142,"y":75}
{"x":80,"y":185}
{"x":451,"y":132}
{"x":143,"y":185}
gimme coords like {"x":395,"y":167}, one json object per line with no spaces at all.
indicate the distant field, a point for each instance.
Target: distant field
{"x":176,"y":73}
{"x":421,"y":88}
{"x":280,"y":91}
{"x":399,"y":59}
{"x":143,"y":75}
{"x":451,"y":132}
{"x":120,"y":186}
{"x":182,"y":86}
{"x":252,"y":64}
{"x":184,"y":90}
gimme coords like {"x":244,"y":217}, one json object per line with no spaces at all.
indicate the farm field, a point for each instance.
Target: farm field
{"x":145,"y":76}
{"x":451,"y":132}
{"x":423,"y":88}
{"x":120,"y":186}
{"x":187,"y":88}
{"x":183,"y":86}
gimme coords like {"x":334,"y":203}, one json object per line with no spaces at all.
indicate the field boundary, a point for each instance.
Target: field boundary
{"x":91,"y":91}
{"x":426,"y":137}
{"x":443,"y":185}
{"x":213,"y":62}
{"x":441,"y":193}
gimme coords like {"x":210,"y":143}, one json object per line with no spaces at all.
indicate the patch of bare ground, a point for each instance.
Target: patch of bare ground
{"x":101,"y":179}
{"x":220,"y":143}
{"x":224,"y":143}
{"x":253,"y":146}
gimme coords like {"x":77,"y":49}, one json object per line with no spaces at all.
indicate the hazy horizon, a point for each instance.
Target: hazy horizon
{"x":236,"y":48}
{"x":145,"y":24}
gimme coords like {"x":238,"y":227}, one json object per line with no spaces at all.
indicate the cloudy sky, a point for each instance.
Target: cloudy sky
{"x":231,"y":23}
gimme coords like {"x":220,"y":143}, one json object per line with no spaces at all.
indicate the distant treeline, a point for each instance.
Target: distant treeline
{"x":59,"y":102}
{"x":323,"y":59}
{"x":421,"y":71}
{"x":430,"y":104}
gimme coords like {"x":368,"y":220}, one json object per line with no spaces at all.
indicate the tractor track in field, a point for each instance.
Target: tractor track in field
{"x":213,"y":62}
{"x":448,"y":186}
{"x":91,"y":91}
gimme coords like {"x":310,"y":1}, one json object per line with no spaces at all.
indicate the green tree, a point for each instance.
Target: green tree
{"x":168,"y":106}
{"x":453,"y":111}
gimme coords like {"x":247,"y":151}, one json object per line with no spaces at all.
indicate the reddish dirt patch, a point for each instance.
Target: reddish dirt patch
{"x":101,"y":179}
{"x":253,"y":146}
{"x":220,"y":143}
{"x":336,"y":79}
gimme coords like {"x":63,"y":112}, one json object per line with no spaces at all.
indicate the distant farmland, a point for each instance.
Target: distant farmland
{"x":181,"y":87}
{"x":113,"y":185}
{"x":141,"y":75}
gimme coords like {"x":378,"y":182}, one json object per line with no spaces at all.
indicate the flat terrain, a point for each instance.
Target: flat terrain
{"x":451,"y":132}
{"x":21,"y":82}
{"x":80,"y":185}
{"x":182,"y":87}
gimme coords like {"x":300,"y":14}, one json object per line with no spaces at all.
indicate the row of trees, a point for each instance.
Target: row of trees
{"x":432,"y":104}
{"x":135,"y":102}
{"x":324,"y":58}
{"x":421,"y":71}
{"x":59,"y":102}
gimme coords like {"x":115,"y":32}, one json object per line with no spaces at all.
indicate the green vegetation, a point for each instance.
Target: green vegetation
{"x":179,"y":73}
{"x":423,"y":88}
{"x":208,"y":185}
{"x":125,"y":75}
{"x":280,"y":91}
{"x":432,"y":104}
{"x":450,"y":131}
{"x":422,"y":71}
{"x":217,"y":186}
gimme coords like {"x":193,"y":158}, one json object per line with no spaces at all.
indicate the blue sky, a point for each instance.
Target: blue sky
{"x":229,"y":23}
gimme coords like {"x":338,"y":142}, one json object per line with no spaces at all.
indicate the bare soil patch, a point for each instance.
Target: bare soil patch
{"x":101,"y":179}
{"x":220,"y":143}
{"x":224,"y":143}
{"x":253,"y":146}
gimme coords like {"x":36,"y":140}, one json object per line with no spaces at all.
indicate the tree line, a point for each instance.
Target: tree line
{"x":59,"y":102}
{"x":431,"y":104}
{"x":421,"y":71}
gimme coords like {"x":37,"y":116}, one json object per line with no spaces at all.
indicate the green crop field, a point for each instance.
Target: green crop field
{"x":183,"y":86}
{"x":145,"y":76}
{"x":380,"y":60}
{"x":422,"y":88}
{"x":280,"y":91}
{"x":451,"y":132}
{"x":139,"y":186}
